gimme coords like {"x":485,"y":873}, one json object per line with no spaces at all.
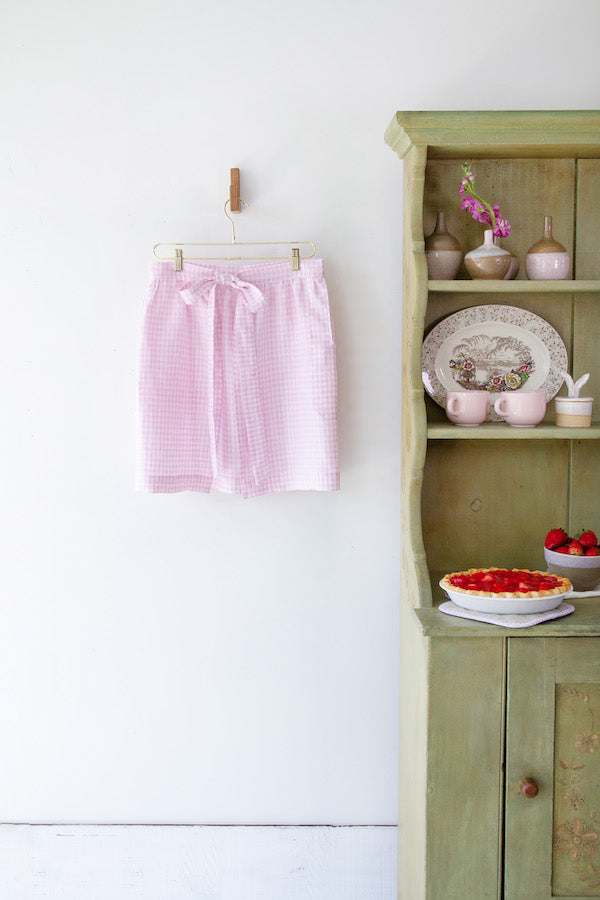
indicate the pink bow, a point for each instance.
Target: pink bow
{"x":205,"y":290}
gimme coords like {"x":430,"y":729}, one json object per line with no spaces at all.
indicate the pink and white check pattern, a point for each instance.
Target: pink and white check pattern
{"x":237,"y":380}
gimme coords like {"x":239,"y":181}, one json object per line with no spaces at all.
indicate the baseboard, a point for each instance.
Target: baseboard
{"x":197,"y":862}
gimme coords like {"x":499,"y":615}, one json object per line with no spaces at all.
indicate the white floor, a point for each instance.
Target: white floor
{"x":163,"y":862}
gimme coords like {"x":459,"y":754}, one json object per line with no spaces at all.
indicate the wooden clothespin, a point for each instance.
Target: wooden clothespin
{"x":295,"y":259}
{"x":234,"y":191}
{"x":178,"y":261}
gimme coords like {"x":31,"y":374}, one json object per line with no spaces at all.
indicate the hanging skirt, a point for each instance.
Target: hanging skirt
{"x":237,"y":380}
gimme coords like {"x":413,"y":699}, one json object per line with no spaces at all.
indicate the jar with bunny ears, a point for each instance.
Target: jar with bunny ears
{"x":574,"y":411}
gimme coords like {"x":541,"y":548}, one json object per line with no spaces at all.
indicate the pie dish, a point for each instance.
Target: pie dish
{"x":493,"y":348}
{"x":506,"y":590}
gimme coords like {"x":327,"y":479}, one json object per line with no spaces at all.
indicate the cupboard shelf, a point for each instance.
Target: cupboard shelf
{"x":502,"y":432}
{"x":584,"y":622}
{"x":517,"y":286}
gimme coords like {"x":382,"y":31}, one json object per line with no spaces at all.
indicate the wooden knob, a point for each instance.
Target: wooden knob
{"x":528,"y":788}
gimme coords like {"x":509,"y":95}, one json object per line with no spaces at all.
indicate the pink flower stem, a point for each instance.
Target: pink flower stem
{"x":487,"y":206}
{"x":468,"y":189}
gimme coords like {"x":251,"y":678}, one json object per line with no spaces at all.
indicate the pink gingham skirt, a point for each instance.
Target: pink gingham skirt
{"x":237,"y":380}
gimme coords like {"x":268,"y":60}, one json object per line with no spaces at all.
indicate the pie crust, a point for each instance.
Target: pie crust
{"x":515,"y":583}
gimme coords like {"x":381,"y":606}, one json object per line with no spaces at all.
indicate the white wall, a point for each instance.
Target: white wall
{"x":192,"y":658}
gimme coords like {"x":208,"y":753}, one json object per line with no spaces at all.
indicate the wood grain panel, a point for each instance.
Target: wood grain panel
{"x":545,"y":837}
{"x":415,"y":583}
{"x":576,"y":785}
{"x":588,"y":204}
{"x":464,"y":785}
{"x":585,"y":487}
{"x":586,"y":345}
{"x":489,"y":503}
{"x":508,"y":133}
{"x":412,"y":758}
{"x":529,"y":745}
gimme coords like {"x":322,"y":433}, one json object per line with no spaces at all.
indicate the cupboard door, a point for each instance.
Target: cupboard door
{"x":464,"y":769}
{"x":552,"y":837}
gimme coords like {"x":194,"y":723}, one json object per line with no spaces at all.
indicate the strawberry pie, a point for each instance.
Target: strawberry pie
{"x":515,"y":583}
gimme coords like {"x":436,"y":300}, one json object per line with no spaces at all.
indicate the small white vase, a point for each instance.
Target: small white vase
{"x":488,"y":260}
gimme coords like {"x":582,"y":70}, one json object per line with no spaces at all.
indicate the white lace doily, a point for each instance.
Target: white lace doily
{"x":507,"y":621}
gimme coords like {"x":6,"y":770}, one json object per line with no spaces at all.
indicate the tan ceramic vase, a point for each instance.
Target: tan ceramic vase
{"x":442,"y":251}
{"x":515,"y":265}
{"x":547,"y":258}
{"x":488,"y":261}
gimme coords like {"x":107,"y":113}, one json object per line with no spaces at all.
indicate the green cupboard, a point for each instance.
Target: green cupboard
{"x":500,"y":728}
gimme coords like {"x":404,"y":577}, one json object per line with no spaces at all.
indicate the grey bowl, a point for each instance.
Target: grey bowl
{"x":582,"y":571}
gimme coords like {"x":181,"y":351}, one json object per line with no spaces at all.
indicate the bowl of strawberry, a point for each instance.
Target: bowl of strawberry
{"x":577,"y":559}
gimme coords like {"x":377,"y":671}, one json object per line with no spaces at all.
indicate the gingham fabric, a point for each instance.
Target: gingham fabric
{"x":237,"y":380}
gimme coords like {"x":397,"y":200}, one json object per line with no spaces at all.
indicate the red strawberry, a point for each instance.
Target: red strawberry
{"x":587,"y":539}
{"x":575,"y":549}
{"x":563,"y":549}
{"x":555,"y":538}
{"x":460,"y":581}
{"x":592,"y":551}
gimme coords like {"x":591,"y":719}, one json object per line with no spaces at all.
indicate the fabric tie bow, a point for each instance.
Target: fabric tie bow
{"x":243,"y":374}
{"x":205,"y":290}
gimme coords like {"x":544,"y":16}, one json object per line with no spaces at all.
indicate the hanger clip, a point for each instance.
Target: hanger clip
{"x":178,"y":261}
{"x":295,"y":259}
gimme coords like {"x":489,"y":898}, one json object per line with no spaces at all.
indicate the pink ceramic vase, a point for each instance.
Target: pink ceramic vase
{"x":547,"y":259}
{"x":442,"y":251}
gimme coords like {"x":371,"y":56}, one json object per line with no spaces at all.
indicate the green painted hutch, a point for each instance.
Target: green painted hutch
{"x":484,"y":707}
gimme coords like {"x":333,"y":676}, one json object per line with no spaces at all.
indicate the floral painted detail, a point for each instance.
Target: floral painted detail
{"x":589,"y":741}
{"x":576,"y":840}
{"x":489,"y":364}
{"x":513,"y":381}
{"x":575,"y":692}
{"x":574,"y":800}
{"x":589,"y":873}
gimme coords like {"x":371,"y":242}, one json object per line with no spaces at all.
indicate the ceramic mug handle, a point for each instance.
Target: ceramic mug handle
{"x":452,"y":405}
{"x":500,"y":406}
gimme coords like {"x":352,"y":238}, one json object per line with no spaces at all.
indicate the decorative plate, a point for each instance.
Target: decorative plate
{"x":493,"y":348}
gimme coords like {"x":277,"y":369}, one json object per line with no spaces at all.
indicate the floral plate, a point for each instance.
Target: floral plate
{"x":493,"y":348}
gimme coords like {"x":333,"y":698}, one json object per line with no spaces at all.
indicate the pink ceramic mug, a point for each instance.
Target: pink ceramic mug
{"x":522,"y":409}
{"x":467,"y":407}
